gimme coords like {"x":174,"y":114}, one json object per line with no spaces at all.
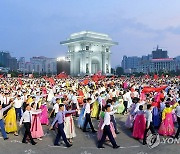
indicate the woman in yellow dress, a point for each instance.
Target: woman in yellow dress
{"x":10,"y":121}
{"x":95,"y":109}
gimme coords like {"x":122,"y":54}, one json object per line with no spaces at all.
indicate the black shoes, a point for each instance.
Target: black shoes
{"x":25,"y":142}
{"x":56,"y":144}
{"x":117,"y":132}
{"x":94,"y":131}
{"x":101,"y":147}
{"x":34,"y":143}
{"x":6,"y":138}
{"x":144,"y":143}
{"x":69,"y":145}
{"x":116,"y":147}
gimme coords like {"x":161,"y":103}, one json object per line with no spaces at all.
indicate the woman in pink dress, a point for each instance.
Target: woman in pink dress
{"x":139,"y":124}
{"x":36,"y":128}
{"x":167,"y":124}
{"x":44,"y":115}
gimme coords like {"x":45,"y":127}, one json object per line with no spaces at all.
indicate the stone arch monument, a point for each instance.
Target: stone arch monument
{"x":89,"y":52}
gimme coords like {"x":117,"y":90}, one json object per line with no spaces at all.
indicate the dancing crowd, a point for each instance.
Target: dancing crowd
{"x":146,"y":103}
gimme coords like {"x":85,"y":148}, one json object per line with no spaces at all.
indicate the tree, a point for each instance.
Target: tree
{"x":119,"y":71}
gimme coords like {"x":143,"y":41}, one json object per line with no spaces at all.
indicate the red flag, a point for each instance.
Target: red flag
{"x":148,"y":89}
{"x":20,"y":81}
{"x":85,"y":82}
{"x":51,"y":80}
{"x":62,"y":75}
{"x":95,"y":78}
{"x":158,"y":89}
{"x":156,"y":76}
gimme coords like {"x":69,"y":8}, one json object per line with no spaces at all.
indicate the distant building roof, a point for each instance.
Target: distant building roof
{"x":162,"y":59}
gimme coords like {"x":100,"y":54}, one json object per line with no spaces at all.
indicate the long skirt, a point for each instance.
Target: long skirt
{"x":95,"y":108}
{"x":139,"y":127}
{"x":130,"y":121}
{"x":10,"y":121}
{"x":36,"y":127}
{"x":167,"y":126}
{"x":81,"y":120}
{"x":44,"y":115}
{"x":120,"y":108}
{"x":69,"y":128}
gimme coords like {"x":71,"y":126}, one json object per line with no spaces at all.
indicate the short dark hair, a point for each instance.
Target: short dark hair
{"x":149,"y":106}
{"x":57,"y":99}
{"x":89,"y":99}
{"x":107,"y":106}
{"x":32,"y":104}
{"x":167,"y":104}
{"x":26,"y":105}
{"x":140,"y":107}
{"x":61,"y":105}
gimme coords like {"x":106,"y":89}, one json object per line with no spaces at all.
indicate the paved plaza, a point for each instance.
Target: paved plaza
{"x":85,"y":143}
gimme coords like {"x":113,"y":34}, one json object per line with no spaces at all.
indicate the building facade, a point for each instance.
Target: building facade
{"x":130,"y":64}
{"x":159,"y":53}
{"x":156,"y":62}
{"x":41,"y":65}
{"x":89,"y":52}
{"x":7,"y":61}
{"x":158,"y":65}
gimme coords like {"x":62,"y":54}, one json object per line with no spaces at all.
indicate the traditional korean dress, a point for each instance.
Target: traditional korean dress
{"x":121,"y":107}
{"x":69,"y":127}
{"x":139,"y":125}
{"x":10,"y":121}
{"x":95,"y":108}
{"x":44,"y":115}
{"x":167,"y":124}
{"x":36,"y":127}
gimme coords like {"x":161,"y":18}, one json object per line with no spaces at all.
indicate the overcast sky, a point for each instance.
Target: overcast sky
{"x":35,"y":27}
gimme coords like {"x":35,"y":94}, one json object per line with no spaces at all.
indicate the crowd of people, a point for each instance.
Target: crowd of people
{"x":147,"y":103}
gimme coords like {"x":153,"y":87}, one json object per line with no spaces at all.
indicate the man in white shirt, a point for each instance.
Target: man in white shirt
{"x":75,"y":104}
{"x":55,"y":108}
{"x":18,"y":102}
{"x":106,"y":129}
{"x":149,"y":124}
{"x":178,"y":119}
{"x":125,"y":98}
{"x":26,"y":120}
{"x":87,"y":116}
{"x":6,"y":99}
{"x":53,"y":101}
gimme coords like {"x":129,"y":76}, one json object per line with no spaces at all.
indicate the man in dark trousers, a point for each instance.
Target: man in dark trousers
{"x":149,"y":124}
{"x":106,"y":129}
{"x":87,"y":116}
{"x":60,"y":116}
{"x":26,"y":120}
